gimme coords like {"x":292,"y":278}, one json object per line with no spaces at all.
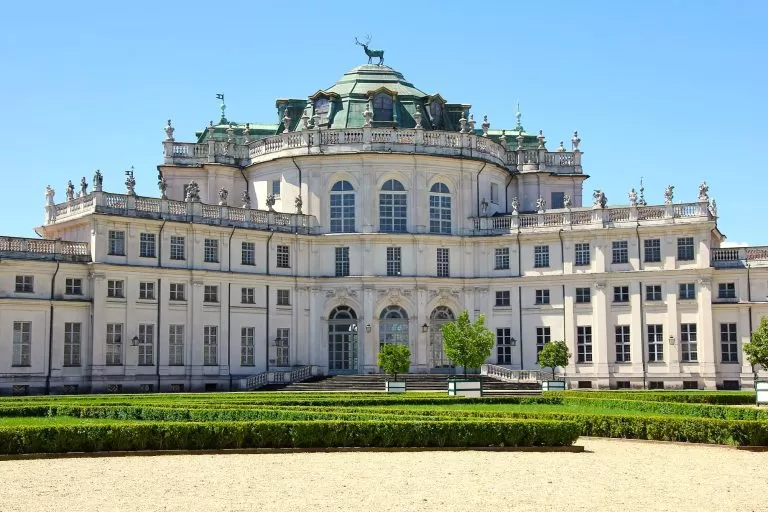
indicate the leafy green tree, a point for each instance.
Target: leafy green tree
{"x":554,"y":354}
{"x":467,"y":344}
{"x":394,"y":359}
{"x":757,"y":349}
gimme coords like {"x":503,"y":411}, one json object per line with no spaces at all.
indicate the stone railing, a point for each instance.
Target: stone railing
{"x":507,"y":375}
{"x":739,"y":256}
{"x":355,"y":140}
{"x":36,"y":249}
{"x":591,"y":218}
{"x":252,"y":382}
{"x":154,"y":208}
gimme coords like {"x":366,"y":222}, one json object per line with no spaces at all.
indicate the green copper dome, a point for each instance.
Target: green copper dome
{"x":370,"y":77}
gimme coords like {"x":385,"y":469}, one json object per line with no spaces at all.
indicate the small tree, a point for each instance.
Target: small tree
{"x":757,"y":349}
{"x":554,"y":354}
{"x":467,"y":344}
{"x":394,"y":359}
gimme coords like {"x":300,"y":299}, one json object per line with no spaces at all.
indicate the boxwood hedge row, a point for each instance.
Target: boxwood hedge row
{"x":692,"y":397}
{"x":296,"y":434}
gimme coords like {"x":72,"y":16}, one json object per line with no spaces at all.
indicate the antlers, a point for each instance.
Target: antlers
{"x":367,"y":40}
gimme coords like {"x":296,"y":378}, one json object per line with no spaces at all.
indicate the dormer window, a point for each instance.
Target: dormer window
{"x":382,"y":107}
{"x":436,"y":113}
{"x":322,"y":107}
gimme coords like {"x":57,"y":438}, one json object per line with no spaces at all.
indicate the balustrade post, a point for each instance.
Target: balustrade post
{"x":367,"y":137}
{"x":540,"y":218}
{"x":466,"y":142}
{"x":223,"y":214}
{"x":703,"y":210}
{"x":598,"y":216}
{"x":484,"y":223}
{"x":168,"y":152}
{"x":567,"y":218}
{"x":211,"y":150}
{"x":514,"y":223}
{"x":418,"y":138}
{"x":130,"y":202}
{"x":163,"y":208}
{"x":669,"y":211}
{"x":195,"y":209}
{"x":270,"y":218}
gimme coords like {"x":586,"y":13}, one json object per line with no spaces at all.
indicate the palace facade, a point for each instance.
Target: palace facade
{"x":370,"y":213}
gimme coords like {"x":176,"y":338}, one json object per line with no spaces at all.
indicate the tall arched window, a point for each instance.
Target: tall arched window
{"x":342,"y":207}
{"x":393,"y":326}
{"x":382,"y":107}
{"x":342,"y":340}
{"x":322,"y":106}
{"x":393,"y":207}
{"x":439,"y":317}
{"x":439,"y":209}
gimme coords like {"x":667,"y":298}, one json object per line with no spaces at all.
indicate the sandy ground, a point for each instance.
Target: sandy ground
{"x":610,"y":475}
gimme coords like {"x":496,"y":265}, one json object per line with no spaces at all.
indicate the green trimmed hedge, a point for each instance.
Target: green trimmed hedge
{"x":691,"y":397}
{"x":298,"y":434}
{"x":673,"y":408}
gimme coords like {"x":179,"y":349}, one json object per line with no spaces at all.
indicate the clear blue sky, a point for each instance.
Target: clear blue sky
{"x":671,"y":90}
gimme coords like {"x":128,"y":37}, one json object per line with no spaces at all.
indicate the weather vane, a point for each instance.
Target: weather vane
{"x":223,"y":107}
{"x":371,"y":53}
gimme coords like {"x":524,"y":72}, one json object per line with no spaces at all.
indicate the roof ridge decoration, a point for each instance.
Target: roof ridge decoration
{"x":371,"y":53}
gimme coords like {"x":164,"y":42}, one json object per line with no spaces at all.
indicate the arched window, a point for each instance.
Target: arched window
{"x":393,"y":326}
{"x":342,"y":340}
{"x":382,"y":107}
{"x":393,"y":206}
{"x":322,"y":106}
{"x":439,"y":209}
{"x":440,"y":316}
{"x":342,"y":207}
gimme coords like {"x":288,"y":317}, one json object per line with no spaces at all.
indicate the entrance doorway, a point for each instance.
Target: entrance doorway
{"x":439,"y":317}
{"x":342,"y":340}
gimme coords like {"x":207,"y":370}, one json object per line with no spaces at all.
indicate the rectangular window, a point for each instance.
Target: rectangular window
{"x":443,"y":265}
{"x":342,"y":261}
{"x":652,"y":250}
{"x":502,"y":298}
{"x":729,"y":343}
{"x":114,"y":355}
{"x":687,"y":291}
{"x":176,"y":292}
{"x":558,"y":200}
{"x":246,"y":346}
{"x":210,"y":345}
{"x":115,"y":289}
{"x":504,"y":345}
{"x":495,"y":193}
{"x":210,"y":293}
{"x":655,"y":343}
{"x":726,"y":291}
{"x":176,"y":345}
{"x":685,"y":248}
{"x":621,"y":294}
{"x":583,"y":295}
{"x":620,"y":252}
{"x":276,"y":188}
{"x":542,"y":338}
{"x":116,"y":243}
{"x":283,"y":297}
{"x":211,"y":250}
{"x":25,"y":284}
{"x":248,"y":295}
{"x":581,"y":255}
{"x":584,"y":344}
{"x":688,"y":345}
{"x":653,"y":292}
{"x":394,"y":263}
{"x":622,"y":344}
{"x":147,"y":243}
{"x":502,"y":258}
{"x":541,"y":256}
{"x":73,"y":336}
{"x":283,"y":256}
{"x":177,"y":248}
{"x":282,"y":347}
{"x":542,"y":297}
{"x":147,"y":290}
{"x":73,"y":286}
{"x":248,"y":253}
{"x":22,"y":344}
{"x":146,"y":344}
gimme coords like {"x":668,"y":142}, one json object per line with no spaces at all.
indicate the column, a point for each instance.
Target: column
{"x":707,"y":338}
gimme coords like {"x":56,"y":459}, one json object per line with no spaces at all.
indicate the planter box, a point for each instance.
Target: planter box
{"x":469,"y":388}
{"x":553,"y":385}
{"x":761,"y":392}
{"x":394,"y":387}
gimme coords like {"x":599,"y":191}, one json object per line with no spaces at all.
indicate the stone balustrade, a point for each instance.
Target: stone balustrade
{"x":739,"y":256}
{"x":591,"y":218}
{"x":37,"y":249}
{"x":154,"y":208}
{"x":356,"y":140}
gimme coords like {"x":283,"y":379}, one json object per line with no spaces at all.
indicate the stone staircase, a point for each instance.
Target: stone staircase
{"x":414,"y":382}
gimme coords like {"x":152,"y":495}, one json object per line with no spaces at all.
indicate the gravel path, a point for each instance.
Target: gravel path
{"x":610,"y":475}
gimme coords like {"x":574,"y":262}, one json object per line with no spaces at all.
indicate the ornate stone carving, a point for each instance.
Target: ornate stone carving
{"x":484,"y":207}
{"x":49,"y":193}
{"x":70,"y":191}
{"x":485,"y":126}
{"x":599,"y":199}
{"x":245,"y":199}
{"x":567,"y":201}
{"x":286,"y":121}
{"x":575,"y":141}
{"x":541,"y":204}
{"x":417,"y":117}
{"x":271,"y":202}
{"x":472,"y":123}
{"x":632,"y":197}
{"x":162,"y":185}
{"x":247,"y":134}
{"x":561,"y":147}
{"x":669,"y":194}
{"x":83,"y":187}
{"x":193,"y":192}
{"x":130,"y":182}
{"x":368,"y":116}
{"x":641,"y":200}
{"x":713,"y":208}
{"x":463,"y":123}
{"x":305,"y":119}
{"x":503,"y":139}
{"x":169,"y":129}
{"x":371,"y":53}
{"x":298,"y":202}
{"x":541,"y":140}
{"x":98,"y":181}
{"x":223,"y":195}
{"x":703,"y":191}
{"x":515,"y":205}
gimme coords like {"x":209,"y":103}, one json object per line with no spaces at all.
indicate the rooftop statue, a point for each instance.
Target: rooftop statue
{"x":246,"y":199}
{"x":49,"y":193}
{"x":703,"y":191}
{"x":98,"y":181}
{"x":371,"y":53}
{"x":567,"y":201}
{"x":70,"y":191}
{"x":632,"y":197}
{"x":223,"y":195}
{"x":193,"y":192}
{"x":83,"y":187}
{"x":599,"y":198}
{"x":669,"y":194}
{"x":541,"y":205}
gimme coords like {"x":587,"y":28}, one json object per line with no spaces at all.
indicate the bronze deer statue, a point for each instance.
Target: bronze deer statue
{"x":371,"y":53}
